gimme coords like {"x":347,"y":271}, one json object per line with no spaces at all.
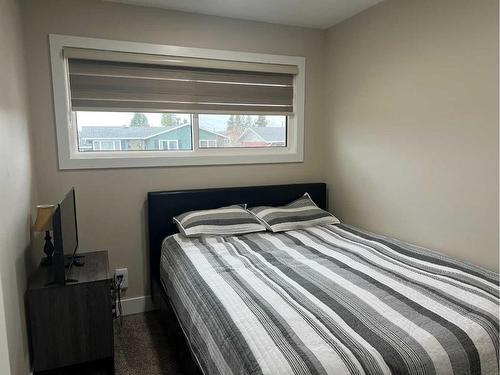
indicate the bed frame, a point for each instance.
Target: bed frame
{"x":164,"y":205}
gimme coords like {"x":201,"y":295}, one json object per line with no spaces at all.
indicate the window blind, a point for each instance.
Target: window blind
{"x":122,"y":81}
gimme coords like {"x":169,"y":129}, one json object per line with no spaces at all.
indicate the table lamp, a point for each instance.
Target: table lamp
{"x":43,"y":223}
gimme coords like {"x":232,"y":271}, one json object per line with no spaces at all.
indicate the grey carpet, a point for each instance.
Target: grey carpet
{"x":151,"y":343}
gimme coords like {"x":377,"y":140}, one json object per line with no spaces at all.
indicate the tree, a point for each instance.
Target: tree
{"x":247,"y":122}
{"x":139,"y":120}
{"x":261,"y":121}
{"x":169,"y":119}
{"x":234,"y":127}
{"x":238,"y":121}
{"x":230,"y":122}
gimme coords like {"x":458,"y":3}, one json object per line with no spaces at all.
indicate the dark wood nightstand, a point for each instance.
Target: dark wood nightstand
{"x":71,"y":324}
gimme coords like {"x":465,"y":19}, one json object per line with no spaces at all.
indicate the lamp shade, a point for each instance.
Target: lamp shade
{"x":43,"y":218}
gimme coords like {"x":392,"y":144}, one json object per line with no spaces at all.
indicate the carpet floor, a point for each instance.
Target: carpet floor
{"x":149,"y":343}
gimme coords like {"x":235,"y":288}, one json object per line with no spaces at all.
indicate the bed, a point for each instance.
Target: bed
{"x":321,"y":300}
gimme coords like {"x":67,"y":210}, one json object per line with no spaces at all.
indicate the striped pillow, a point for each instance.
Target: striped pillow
{"x":230,"y":220}
{"x":301,"y":213}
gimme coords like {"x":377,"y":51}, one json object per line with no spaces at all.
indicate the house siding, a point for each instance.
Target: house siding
{"x":182,"y":135}
{"x":206,"y":135}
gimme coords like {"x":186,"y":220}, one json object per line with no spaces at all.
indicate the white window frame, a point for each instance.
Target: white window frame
{"x":167,"y":142}
{"x":208,"y":143}
{"x":71,"y":158}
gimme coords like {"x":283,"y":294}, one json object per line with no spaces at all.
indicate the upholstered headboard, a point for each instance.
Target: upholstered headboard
{"x":164,"y":205}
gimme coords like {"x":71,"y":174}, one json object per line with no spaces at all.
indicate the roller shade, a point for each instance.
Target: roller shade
{"x":121,"y":81}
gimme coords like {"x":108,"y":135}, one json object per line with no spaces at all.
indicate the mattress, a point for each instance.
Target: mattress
{"x":330,"y":300}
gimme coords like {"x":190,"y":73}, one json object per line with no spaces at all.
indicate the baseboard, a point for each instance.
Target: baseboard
{"x":137,"y":305}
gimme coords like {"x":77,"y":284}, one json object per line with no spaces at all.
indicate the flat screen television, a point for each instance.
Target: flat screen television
{"x":65,"y":228}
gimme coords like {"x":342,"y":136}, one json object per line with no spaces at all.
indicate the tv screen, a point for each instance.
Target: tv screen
{"x":65,"y":231}
{"x":69,"y":229}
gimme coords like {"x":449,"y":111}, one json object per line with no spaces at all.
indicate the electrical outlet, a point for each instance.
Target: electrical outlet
{"x":124,"y":273}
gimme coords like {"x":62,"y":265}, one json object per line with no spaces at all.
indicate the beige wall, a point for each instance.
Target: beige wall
{"x":412,"y":129}
{"x":111,"y":202}
{"x":16,"y":192}
{"x":409,"y":149}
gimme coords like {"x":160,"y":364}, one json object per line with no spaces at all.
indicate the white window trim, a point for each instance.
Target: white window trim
{"x":167,"y":142}
{"x":70,"y":158}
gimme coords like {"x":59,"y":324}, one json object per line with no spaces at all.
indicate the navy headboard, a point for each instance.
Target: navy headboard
{"x":164,"y":205}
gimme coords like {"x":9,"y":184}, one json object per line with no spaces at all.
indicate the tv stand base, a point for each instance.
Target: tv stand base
{"x":71,"y":324}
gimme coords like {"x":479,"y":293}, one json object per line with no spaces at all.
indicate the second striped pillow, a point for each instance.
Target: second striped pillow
{"x":301,"y":213}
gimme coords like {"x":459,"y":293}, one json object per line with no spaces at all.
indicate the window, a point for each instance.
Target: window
{"x":169,"y":144}
{"x":242,"y":131}
{"x":208,"y":143}
{"x":136,"y":132}
{"x":125,"y":104}
{"x":106,"y":145}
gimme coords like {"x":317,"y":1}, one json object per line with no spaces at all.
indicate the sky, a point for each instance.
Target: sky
{"x":210,"y":122}
{"x":116,"y":118}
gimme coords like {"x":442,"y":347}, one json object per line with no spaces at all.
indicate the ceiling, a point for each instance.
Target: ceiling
{"x":319,"y":14}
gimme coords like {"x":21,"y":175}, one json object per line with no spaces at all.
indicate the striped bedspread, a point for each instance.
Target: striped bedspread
{"x":330,"y":300}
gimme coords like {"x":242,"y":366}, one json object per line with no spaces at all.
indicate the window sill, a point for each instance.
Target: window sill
{"x":105,"y":160}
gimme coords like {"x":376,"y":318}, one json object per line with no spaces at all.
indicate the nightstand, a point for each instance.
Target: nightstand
{"x":72,"y":324}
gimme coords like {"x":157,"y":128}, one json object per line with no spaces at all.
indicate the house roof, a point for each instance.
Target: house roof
{"x":268,"y":134}
{"x":119,"y":132}
{"x":122,"y":132}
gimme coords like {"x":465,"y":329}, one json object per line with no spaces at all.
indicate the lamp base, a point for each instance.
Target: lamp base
{"x":48,"y":249}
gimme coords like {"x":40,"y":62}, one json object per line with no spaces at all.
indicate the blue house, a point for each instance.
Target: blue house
{"x":115,"y":138}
